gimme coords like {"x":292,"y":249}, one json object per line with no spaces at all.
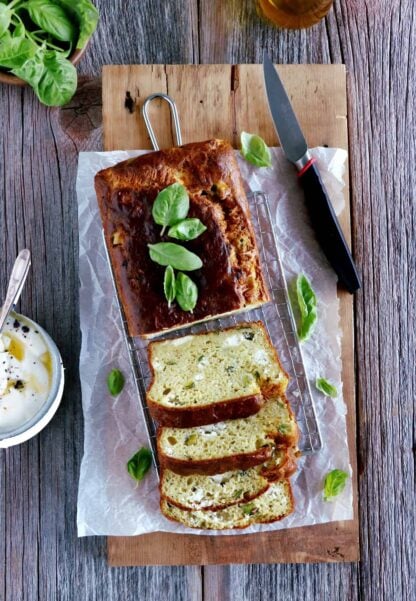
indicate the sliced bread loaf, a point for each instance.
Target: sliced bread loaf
{"x":222,"y":490}
{"x":274,"y":504}
{"x":230,"y":445}
{"x":207,"y":378}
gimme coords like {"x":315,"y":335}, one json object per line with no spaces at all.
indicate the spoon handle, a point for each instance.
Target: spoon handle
{"x":16,"y":283}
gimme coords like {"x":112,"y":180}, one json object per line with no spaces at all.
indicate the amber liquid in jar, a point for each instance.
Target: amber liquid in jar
{"x":294,"y":14}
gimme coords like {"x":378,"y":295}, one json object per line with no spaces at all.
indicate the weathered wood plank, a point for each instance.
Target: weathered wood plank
{"x":224,"y":103}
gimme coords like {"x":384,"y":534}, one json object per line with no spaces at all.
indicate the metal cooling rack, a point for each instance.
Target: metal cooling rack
{"x":278,"y":319}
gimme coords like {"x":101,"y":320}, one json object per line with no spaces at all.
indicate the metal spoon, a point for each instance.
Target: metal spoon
{"x":16,"y":283}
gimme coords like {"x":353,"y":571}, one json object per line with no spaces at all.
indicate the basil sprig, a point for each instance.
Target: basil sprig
{"x":171,"y":206}
{"x":36,"y":39}
{"x":139,"y":464}
{"x":85,"y":15}
{"x":170,"y":209}
{"x":169,"y":285}
{"x":334,"y":484}
{"x":178,"y":257}
{"x":255,"y":150}
{"x":306,"y":300}
{"x":186,"y":292}
{"x":187,"y":229}
{"x":326,"y":387}
{"x":53,"y":19}
{"x":115,"y":382}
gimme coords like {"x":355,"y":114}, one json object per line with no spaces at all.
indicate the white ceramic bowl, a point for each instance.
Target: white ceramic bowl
{"x":49,"y":408}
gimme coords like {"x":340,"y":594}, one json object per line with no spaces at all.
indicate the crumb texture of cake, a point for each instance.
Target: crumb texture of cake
{"x":233,"y":444}
{"x":230,"y":279}
{"x":222,"y":490}
{"x":206,"y":378}
{"x":272,"y":505}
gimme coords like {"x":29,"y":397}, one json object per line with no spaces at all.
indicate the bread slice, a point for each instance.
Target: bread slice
{"x":229,"y":445}
{"x":274,"y":504}
{"x":211,"y":377}
{"x":230,"y":279}
{"x":222,"y":490}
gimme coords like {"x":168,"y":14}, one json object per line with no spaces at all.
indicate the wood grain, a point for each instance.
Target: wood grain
{"x":375,"y":39}
{"x":227,"y":100}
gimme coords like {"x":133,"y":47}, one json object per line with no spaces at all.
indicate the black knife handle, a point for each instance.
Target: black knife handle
{"x":327,"y":228}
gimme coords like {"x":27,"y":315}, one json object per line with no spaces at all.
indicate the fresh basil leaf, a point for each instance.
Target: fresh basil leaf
{"x":334,"y":484}
{"x":53,"y":77}
{"x":5,"y":18}
{"x":32,"y":69}
{"x":255,"y":150}
{"x":53,"y":19}
{"x":59,"y":80}
{"x":169,"y":285}
{"x":85,"y":15}
{"x":178,"y":257}
{"x":15,"y":49}
{"x":115,"y":382}
{"x":187,"y":229}
{"x":139,"y":464}
{"x":186,"y":292}
{"x":171,"y":205}
{"x":326,"y":387}
{"x":307,"y":306}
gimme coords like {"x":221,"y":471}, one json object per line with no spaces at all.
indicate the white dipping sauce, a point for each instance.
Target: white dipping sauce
{"x":25,"y":373}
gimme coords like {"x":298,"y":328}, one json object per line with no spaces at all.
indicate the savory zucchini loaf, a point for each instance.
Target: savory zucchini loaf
{"x":210,"y":377}
{"x":230,"y":278}
{"x":272,"y":505}
{"x":222,"y":490}
{"x":233,"y":444}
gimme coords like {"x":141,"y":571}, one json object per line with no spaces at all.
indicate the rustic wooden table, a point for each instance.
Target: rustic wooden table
{"x":40,"y":555}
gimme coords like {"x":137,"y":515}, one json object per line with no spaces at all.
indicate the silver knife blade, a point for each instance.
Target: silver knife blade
{"x":290,"y":134}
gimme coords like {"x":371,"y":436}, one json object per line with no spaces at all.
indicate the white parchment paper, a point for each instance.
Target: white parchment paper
{"x":109,"y":501}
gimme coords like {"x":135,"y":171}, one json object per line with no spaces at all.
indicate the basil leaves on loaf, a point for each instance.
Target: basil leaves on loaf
{"x":169,"y":284}
{"x":171,"y":206}
{"x":178,"y":257}
{"x":188,"y":229}
{"x":170,"y":210}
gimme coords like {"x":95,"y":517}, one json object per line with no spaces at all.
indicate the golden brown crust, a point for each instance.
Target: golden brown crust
{"x":270,"y":471}
{"x":241,"y":527}
{"x":280,"y":441}
{"x":247,"y":497}
{"x":231,"y":277}
{"x":179,"y":417}
{"x":284,"y":470}
{"x":210,"y":467}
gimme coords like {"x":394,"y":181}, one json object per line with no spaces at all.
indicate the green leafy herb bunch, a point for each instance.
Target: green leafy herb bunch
{"x":37,"y":39}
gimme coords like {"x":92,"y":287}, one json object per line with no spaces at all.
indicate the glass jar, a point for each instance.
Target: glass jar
{"x":294,"y":14}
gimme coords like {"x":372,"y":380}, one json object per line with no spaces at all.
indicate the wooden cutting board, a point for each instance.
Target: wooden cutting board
{"x":221,"y":101}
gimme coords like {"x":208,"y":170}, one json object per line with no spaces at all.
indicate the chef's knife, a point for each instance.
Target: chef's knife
{"x":323,"y":218}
